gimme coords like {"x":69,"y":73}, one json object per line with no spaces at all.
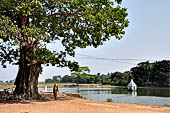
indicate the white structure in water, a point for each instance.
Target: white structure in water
{"x":45,"y":88}
{"x":132,"y":86}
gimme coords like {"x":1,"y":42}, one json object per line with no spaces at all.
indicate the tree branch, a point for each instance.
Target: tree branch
{"x":77,"y":15}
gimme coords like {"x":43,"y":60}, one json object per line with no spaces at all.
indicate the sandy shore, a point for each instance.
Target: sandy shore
{"x":66,"y":104}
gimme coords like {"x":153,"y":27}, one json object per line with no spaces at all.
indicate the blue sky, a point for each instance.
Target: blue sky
{"x":147,"y":37}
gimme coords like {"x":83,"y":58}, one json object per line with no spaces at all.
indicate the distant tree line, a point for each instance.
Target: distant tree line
{"x":55,"y":79}
{"x":116,"y":78}
{"x":10,"y":81}
{"x":144,"y":74}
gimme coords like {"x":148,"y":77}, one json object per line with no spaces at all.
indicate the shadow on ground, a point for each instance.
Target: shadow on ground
{"x":45,"y":97}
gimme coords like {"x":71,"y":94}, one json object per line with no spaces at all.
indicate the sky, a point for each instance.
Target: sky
{"x":146,"y":38}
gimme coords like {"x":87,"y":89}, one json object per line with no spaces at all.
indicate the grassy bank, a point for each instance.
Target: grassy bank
{"x":72,"y":85}
{"x":7,"y":85}
{"x":63,"y":85}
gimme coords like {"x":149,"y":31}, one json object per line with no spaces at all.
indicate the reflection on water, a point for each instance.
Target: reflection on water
{"x":142,"y":96}
{"x":139,"y":92}
{"x":133,"y":93}
{"x":154,"y":92}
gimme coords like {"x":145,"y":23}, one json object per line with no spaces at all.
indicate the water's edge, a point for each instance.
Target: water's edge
{"x":142,"y":96}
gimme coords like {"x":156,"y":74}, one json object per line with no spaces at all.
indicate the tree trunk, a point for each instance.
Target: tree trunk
{"x":27,"y":78}
{"x":78,"y":79}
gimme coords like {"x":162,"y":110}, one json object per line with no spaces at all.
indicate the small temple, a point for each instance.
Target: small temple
{"x":132,"y":86}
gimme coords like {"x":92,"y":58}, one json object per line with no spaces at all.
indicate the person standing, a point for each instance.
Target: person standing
{"x":55,"y":90}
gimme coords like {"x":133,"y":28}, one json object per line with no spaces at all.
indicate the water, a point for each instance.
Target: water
{"x":158,"y":97}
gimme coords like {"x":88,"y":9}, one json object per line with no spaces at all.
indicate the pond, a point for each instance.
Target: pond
{"x":154,"y":96}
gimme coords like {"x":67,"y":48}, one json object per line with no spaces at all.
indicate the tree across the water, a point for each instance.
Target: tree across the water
{"x":156,"y":74}
{"x":27,"y":27}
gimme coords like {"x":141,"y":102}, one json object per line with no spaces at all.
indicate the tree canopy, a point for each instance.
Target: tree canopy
{"x":152,"y":74}
{"x":76,"y":23}
{"x":28,"y":26}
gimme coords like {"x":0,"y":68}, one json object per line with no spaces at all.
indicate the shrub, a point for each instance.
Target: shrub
{"x":166,"y":105}
{"x":109,"y":100}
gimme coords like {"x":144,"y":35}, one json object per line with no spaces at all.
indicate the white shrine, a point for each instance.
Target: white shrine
{"x":132,"y":86}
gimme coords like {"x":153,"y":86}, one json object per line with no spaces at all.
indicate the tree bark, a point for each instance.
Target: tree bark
{"x":27,"y":78}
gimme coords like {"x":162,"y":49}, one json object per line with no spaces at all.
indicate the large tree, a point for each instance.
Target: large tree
{"x":28,"y":26}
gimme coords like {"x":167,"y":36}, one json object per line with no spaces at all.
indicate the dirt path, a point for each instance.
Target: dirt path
{"x":78,"y":105}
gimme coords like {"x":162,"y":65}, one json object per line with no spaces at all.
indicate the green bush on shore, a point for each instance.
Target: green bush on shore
{"x":109,"y":100}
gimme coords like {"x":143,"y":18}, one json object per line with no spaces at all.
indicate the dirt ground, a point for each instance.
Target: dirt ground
{"x":67,"y":104}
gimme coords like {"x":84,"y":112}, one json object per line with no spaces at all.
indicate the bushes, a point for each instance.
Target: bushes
{"x":109,"y":100}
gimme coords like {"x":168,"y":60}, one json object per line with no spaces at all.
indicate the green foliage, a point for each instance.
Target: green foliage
{"x":166,"y":105}
{"x":80,"y":72}
{"x":105,"y":79}
{"x":116,"y":79}
{"x":109,"y":79}
{"x":32,"y":24}
{"x":142,"y":73}
{"x":55,"y":79}
{"x":49,"y":80}
{"x":109,"y":100}
{"x":152,"y":74}
{"x":68,"y":79}
{"x":120,"y":79}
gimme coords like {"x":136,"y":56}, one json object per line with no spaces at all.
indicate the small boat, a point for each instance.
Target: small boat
{"x":132,"y":86}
